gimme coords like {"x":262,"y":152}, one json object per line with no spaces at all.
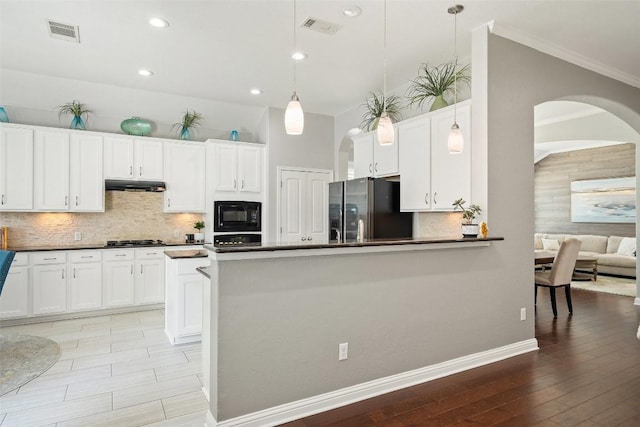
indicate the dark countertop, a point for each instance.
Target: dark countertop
{"x":373,"y":242}
{"x":35,"y":248}
{"x":191,"y":253}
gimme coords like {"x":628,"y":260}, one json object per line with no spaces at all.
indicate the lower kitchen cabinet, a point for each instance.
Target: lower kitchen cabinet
{"x":118,"y":278}
{"x":85,"y":281}
{"x":183,"y":306}
{"x":49,"y":282}
{"x":149,"y":277}
{"x":14,"y":301}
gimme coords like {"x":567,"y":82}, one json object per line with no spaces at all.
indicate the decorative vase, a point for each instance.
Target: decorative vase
{"x":470,"y":230}
{"x":136,"y":126}
{"x":234,"y":136}
{"x":77,"y":123}
{"x":3,"y":116}
{"x":185,"y":134}
{"x":438,"y":103}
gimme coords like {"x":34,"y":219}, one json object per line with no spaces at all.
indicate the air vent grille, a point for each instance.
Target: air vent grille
{"x":63,"y":31}
{"x":324,"y":27}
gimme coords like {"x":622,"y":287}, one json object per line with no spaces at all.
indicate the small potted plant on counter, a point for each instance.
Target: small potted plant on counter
{"x":468,"y":215}
{"x":199,"y":236}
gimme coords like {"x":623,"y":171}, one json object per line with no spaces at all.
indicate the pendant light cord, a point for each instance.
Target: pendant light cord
{"x":455,"y":66}
{"x":384,"y":62}
{"x":294,"y":46}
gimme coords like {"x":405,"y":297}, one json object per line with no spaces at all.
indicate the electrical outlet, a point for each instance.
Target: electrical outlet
{"x":343,"y":351}
{"x":78,"y":235}
{"x":176,"y":234}
{"x":523,"y":313}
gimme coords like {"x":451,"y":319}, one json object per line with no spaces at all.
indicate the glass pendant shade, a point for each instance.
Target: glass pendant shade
{"x":455,"y":142}
{"x":294,"y":117}
{"x":385,"y":130}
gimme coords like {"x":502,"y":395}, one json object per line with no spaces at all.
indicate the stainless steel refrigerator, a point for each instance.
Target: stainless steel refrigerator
{"x":368,"y":208}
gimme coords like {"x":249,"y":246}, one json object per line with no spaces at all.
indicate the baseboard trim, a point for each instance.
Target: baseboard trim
{"x":324,"y":402}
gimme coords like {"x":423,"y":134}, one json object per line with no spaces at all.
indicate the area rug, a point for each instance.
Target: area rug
{"x":609,"y":285}
{"x":23,"y":358}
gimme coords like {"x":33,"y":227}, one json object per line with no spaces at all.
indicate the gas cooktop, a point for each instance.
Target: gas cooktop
{"x":127,"y":243}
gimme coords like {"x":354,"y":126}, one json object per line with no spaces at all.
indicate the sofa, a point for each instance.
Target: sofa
{"x":615,"y":254}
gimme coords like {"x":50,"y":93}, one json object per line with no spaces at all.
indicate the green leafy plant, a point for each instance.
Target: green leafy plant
{"x":74,"y":108}
{"x":190,"y":120}
{"x":435,"y":81}
{"x":199,"y":226}
{"x":468,"y":214}
{"x":375,"y":105}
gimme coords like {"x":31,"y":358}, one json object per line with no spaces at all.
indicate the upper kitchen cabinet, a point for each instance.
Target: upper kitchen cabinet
{"x":432,"y":178}
{"x":372,"y":159}
{"x":68,"y":171}
{"x":185,"y":177}
{"x":133,"y":158}
{"x":16,"y":168}
{"x":237,"y":168}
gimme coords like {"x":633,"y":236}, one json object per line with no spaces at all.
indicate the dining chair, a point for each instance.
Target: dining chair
{"x":560,"y":274}
{"x":6,"y":258}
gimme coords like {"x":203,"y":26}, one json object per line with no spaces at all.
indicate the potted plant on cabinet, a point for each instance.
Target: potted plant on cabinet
{"x":375,"y":105}
{"x":76,"y":109}
{"x":468,"y":215}
{"x":435,"y":82}
{"x":199,"y":236}
{"x":190,"y":120}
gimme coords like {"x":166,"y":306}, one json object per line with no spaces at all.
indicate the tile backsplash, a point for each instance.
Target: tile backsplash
{"x":127,"y":215}
{"x":438,"y":224}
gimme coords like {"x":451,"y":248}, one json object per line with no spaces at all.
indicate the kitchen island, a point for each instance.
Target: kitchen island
{"x":277,"y":319}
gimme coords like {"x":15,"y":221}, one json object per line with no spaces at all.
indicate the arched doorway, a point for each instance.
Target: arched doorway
{"x":344,"y":168}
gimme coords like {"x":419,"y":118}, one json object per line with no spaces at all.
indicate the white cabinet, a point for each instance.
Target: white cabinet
{"x":304,"y":206}
{"x":183,"y":302}
{"x":237,"y":167}
{"x":68,"y":172}
{"x":14,"y":301}
{"x":16,"y":168}
{"x":185,"y":177}
{"x":149,"y":276}
{"x":118,"y":278}
{"x":431,"y":178}
{"x":133,"y":158}
{"x":49,"y":282}
{"x":372,"y":159}
{"x":85,"y":281}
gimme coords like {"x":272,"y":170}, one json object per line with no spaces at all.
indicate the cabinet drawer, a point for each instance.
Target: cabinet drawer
{"x":118,"y":254}
{"x":150,"y":253}
{"x":52,"y":257}
{"x":188,"y":266}
{"x":20,"y":259}
{"x":85,"y":256}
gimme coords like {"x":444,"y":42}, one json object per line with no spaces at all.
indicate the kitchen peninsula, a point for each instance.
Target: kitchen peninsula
{"x":278,"y":318}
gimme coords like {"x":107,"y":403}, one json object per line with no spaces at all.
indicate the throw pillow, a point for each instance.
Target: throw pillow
{"x":550,"y":244}
{"x":627,"y":246}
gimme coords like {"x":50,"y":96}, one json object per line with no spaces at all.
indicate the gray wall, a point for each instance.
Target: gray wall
{"x":312,"y":149}
{"x":553,"y":176}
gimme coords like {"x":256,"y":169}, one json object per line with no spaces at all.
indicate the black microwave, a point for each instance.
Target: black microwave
{"x":237,"y":216}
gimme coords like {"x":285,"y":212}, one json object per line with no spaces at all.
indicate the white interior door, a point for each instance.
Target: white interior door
{"x":292,"y":215}
{"x":317,"y":207}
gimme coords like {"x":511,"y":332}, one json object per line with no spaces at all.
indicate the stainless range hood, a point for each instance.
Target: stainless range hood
{"x":128,"y":185}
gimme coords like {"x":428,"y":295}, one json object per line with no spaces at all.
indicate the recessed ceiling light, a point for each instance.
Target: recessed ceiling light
{"x":352,"y":11}
{"x":158,"y":22}
{"x":255,"y":91}
{"x":299,"y":56}
{"x":145,"y":73}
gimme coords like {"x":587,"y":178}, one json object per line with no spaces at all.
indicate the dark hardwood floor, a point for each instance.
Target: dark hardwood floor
{"x":587,"y":373}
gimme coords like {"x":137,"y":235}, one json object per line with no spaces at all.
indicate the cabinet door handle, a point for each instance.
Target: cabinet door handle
{"x":131,"y":269}
{"x":304,"y":239}
{"x":309,"y":238}
{"x":3,"y":199}
{"x":66,"y":200}
{"x":234,"y":184}
{"x":50,"y":259}
{"x":370,"y":168}
{"x":63,"y":273}
{"x":376,"y":167}
{"x":121,"y":254}
{"x":140,"y":170}
{"x":74,"y":272}
{"x":131,"y":170}
{"x":77,"y":201}
{"x":426,"y":199}
{"x":242,"y":183}
{"x":152,"y":253}
{"x":168,"y":203}
{"x":141,"y":268}
{"x":87,"y":257}
{"x":435,"y":198}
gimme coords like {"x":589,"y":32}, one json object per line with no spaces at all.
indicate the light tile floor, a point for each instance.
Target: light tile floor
{"x":116,"y":371}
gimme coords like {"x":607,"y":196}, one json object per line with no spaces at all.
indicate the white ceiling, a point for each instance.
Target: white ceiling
{"x":220,"y":49}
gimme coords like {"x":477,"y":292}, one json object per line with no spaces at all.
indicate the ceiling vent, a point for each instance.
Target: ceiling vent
{"x":70,"y":33}
{"x":321,"y":26}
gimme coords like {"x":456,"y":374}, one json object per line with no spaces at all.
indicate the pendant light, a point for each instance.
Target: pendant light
{"x":385,"y":125}
{"x":294,"y":116}
{"x":455,"y":142}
